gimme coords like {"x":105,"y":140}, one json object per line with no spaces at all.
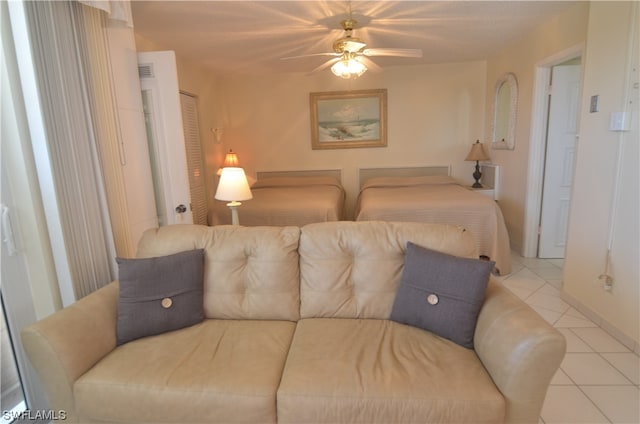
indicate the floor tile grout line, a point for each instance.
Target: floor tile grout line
{"x":601,"y":351}
{"x":594,"y":404}
{"x":617,"y":369}
{"x":574,"y":384}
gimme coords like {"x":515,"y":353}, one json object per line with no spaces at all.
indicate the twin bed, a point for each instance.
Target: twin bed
{"x":431,"y":195}
{"x":289,"y":198}
{"x":422,"y":194}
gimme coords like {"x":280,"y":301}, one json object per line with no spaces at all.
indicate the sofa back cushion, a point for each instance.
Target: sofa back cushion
{"x":249,"y":272}
{"x":353,"y":269}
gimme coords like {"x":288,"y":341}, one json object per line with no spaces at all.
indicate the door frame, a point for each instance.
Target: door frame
{"x":538,"y":141}
{"x":15,"y":291}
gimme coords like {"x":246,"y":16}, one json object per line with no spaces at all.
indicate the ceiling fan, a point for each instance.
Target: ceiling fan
{"x":351,"y":55}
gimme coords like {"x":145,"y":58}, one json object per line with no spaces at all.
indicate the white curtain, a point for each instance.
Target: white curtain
{"x":117,"y":10}
{"x":70,"y":91}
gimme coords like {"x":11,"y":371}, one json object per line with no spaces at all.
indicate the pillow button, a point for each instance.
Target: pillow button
{"x":432,"y":299}
{"x":166,"y":302}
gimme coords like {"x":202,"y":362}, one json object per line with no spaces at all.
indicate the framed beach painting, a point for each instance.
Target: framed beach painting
{"x":348,"y":119}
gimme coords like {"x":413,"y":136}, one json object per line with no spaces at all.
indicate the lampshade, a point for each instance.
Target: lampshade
{"x":233,"y":185}
{"x":231,"y":160}
{"x":348,"y":67}
{"x":477,"y":152}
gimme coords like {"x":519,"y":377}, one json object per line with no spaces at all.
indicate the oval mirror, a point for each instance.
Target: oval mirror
{"x":504,"y":112}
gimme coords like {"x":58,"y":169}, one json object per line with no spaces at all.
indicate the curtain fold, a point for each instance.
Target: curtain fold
{"x":117,"y":10}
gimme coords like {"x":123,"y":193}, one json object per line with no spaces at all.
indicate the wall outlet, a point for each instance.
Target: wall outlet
{"x":607,"y":281}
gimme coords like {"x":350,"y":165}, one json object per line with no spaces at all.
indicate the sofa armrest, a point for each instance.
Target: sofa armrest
{"x":66,"y":344}
{"x":519,"y":349}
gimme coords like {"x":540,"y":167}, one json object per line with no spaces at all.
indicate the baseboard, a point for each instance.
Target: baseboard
{"x":603,"y":323}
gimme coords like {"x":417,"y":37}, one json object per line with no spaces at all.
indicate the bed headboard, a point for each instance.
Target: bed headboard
{"x":416,"y":171}
{"x":335,"y":173}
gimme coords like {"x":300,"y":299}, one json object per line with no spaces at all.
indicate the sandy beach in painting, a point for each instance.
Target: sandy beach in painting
{"x":364,"y":129}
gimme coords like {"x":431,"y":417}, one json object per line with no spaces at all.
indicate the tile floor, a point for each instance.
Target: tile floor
{"x":599,"y":378}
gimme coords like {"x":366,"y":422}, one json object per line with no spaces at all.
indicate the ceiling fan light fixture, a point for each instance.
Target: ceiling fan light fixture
{"x":351,"y":55}
{"x":348,"y":67}
{"x":348,"y":44}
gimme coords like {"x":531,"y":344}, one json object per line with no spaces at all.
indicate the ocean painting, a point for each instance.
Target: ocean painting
{"x":348,"y":119}
{"x":354,"y":119}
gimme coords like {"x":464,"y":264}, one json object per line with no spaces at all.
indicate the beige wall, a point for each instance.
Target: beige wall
{"x":601,"y":155}
{"x":135,"y":172}
{"x":606,"y":28}
{"x":560,"y":33}
{"x":435,"y":113}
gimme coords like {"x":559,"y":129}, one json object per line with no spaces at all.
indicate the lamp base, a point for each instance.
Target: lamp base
{"x":234,"y":212}
{"x":476,"y":176}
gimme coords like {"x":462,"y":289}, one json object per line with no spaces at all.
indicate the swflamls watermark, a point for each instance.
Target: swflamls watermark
{"x":35,"y":415}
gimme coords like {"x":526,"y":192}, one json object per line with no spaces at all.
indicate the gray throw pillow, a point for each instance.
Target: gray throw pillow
{"x":159,"y":294}
{"x":441,"y":293}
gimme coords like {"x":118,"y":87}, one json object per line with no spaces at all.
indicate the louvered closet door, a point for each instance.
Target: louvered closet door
{"x":195,"y":167}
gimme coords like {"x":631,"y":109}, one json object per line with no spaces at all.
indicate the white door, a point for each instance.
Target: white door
{"x":559,"y":160}
{"x":165,"y":136}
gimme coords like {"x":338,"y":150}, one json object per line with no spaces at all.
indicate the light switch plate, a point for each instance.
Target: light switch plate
{"x":594,"y":103}
{"x":619,"y":121}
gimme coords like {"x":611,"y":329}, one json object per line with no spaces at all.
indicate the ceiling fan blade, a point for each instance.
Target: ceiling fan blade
{"x":393,"y":52}
{"x":326,"y":64}
{"x":370,"y":64}
{"x":310,"y":55}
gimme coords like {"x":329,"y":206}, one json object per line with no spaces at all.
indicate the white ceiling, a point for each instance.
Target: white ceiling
{"x":252,"y":36}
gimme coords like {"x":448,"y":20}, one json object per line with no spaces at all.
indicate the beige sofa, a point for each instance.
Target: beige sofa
{"x":296,"y":330}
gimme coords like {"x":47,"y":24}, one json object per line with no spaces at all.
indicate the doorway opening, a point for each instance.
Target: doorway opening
{"x":562,"y":131}
{"x":554,"y":124}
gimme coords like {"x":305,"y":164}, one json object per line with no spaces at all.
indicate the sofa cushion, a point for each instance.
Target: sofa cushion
{"x":249,"y":272}
{"x":216,"y":371}
{"x":386,"y":373}
{"x":352,"y":269}
{"x":441,"y":293}
{"x":159,"y":294}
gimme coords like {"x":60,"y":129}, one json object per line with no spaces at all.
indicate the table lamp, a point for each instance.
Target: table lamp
{"x":233,"y":186}
{"x":477,"y":153}
{"x":230,"y":160}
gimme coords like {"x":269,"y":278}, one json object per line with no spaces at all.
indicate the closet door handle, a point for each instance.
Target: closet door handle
{"x":181,"y":208}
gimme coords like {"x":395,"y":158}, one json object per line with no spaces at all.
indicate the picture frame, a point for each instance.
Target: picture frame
{"x":348,"y":119}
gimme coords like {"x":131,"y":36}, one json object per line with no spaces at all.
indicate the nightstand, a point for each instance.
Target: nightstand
{"x":485,"y":191}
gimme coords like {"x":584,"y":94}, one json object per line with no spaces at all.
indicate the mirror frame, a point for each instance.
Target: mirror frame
{"x":510,"y":142}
